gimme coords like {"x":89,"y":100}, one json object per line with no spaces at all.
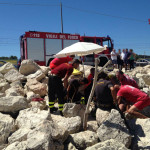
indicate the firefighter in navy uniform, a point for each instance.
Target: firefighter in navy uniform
{"x":55,"y":83}
{"x":104,"y":93}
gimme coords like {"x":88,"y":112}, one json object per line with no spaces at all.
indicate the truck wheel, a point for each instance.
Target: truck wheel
{"x":49,"y":61}
{"x":103,"y":61}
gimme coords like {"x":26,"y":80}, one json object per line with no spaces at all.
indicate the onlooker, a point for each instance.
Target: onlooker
{"x":18,"y":63}
{"x":134,"y":97}
{"x":127,"y":54}
{"x":131,"y":59}
{"x":125,"y":79}
{"x":57,"y":61}
{"x":123,"y":56}
{"x":119,"y":59}
{"x":55,"y":83}
{"x":114,"y":58}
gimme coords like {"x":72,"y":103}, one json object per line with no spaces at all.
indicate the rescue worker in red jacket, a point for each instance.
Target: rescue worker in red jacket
{"x":57,"y":61}
{"x":135,"y":97}
{"x":55,"y":83}
{"x":125,"y":79}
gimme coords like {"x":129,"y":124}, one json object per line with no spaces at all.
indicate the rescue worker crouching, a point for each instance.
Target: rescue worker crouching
{"x":55,"y":83}
{"x":74,"y":95}
{"x":104,"y":93}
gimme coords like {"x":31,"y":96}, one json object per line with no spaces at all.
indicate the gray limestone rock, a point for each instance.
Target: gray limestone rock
{"x":114,"y":128}
{"x":12,"y":103}
{"x":7,"y":126}
{"x":108,"y":145}
{"x":84,"y":139}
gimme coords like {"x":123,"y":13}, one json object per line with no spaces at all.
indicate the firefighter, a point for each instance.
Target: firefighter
{"x":57,"y":61}
{"x":125,"y":79}
{"x":55,"y":83}
{"x":134,"y":97}
{"x":104,"y":93}
{"x":74,"y":94}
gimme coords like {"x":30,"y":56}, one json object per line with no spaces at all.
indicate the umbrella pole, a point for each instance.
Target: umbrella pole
{"x":83,"y":67}
{"x":92,"y":91}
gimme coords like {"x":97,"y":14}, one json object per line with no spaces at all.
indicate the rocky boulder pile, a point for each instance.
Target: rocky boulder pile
{"x":27,"y":124}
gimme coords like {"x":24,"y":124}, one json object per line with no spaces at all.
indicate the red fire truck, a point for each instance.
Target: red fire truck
{"x":41,"y":46}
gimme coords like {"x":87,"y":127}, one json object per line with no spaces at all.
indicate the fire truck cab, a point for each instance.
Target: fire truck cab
{"x":103,"y":56}
{"x":41,"y":46}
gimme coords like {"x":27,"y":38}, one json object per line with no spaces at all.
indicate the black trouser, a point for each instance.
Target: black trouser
{"x":131,"y":62}
{"x":55,"y":87}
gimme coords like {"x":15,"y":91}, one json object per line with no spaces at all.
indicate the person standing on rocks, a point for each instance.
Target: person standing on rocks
{"x":127,"y":54}
{"x":131,"y":59}
{"x":114,"y":58}
{"x":57,"y":61}
{"x":119,"y":59}
{"x":125,"y":79}
{"x":133,"y":96}
{"x":55,"y":83}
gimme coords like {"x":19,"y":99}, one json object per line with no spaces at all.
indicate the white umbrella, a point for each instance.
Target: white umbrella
{"x":81,"y":49}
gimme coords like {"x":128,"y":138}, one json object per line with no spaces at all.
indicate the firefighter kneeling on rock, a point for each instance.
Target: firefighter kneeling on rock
{"x":55,"y":84}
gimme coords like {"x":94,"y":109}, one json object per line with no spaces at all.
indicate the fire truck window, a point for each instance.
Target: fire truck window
{"x":98,"y":41}
{"x":89,"y":40}
{"x":107,"y":42}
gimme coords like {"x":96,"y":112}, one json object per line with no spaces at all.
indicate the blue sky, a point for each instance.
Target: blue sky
{"x":126,"y":22}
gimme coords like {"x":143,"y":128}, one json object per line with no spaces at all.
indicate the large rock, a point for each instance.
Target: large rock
{"x":14,"y":91}
{"x":101,"y":116}
{"x":6,"y":67}
{"x":4,"y":85}
{"x":12,"y":103}
{"x":36,"y":87}
{"x":146,"y":79}
{"x":17,"y":146}
{"x":108,"y":145}
{"x":72,"y":125}
{"x":141,"y":129}
{"x":73,"y":110}
{"x":45,"y":69}
{"x":82,"y":140}
{"x":7,"y":126}
{"x":14,"y":75}
{"x":2,"y":95}
{"x":19,"y":135}
{"x":45,"y":135}
{"x":31,"y":95}
{"x":1,"y":76}
{"x":30,"y":117}
{"x":114,"y":128}
{"x":38,"y":75}
{"x":38,"y":104}
{"x":16,"y":84}
{"x":28,"y":67}
{"x":92,"y":125}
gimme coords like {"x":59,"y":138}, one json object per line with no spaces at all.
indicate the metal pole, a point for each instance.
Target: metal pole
{"x":61,"y":18}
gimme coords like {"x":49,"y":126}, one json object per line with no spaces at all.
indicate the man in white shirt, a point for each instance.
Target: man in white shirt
{"x":114,"y":58}
{"x":123,"y":54}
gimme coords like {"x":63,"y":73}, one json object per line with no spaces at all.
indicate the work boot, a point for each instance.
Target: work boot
{"x":61,"y":113}
{"x":53,"y":109}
